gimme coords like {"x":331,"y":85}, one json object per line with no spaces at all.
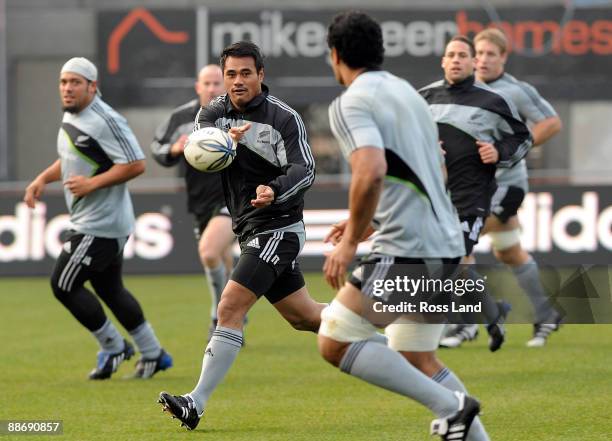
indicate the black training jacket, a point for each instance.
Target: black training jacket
{"x":273,"y":152}
{"x":467,"y":112}
{"x":204,"y":190}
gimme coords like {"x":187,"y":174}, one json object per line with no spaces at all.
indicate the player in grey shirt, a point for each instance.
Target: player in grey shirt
{"x":503,"y":226}
{"x":387,"y":134}
{"x":383,"y":111}
{"x":98,"y":154}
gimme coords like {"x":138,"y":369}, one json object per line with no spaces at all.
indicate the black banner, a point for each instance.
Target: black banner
{"x":562,"y":51}
{"x":146,"y":57}
{"x":561,"y":226}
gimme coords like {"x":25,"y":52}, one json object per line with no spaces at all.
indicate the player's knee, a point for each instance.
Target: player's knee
{"x":231,"y":311}
{"x":514,"y":256}
{"x":331,"y":351}
{"x":210,"y":261}
{"x":339,"y":328}
{"x":209,"y":257}
{"x":505,"y":240}
{"x":507,"y":247}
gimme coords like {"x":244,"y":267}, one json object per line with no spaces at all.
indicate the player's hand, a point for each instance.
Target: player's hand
{"x":33,"y":192}
{"x":337,"y":262}
{"x":488,"y":153}
{"x":236,"y":133}
{"x":335,"y":235}
{"x":337,"y":232}
{"x":178,"y":147}
{"x":265,"y":196}
{"x":79,"y":185}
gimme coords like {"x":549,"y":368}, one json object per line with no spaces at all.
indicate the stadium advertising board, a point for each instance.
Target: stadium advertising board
{"x":574,"y":44}
{"x":561,"y":226}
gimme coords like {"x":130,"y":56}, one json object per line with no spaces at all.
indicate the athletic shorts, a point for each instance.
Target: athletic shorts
{"x":471,"y":226}
{"x":268,"y":263}
{"x":84,"y":256}
{"x":201,"y":220}
{"x":506,"y":201}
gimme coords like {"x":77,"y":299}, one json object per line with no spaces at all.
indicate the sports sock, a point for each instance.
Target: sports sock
{"x":218,"y":358}
{"x":216,"y":278}
{"x":528,"y":277}
{"x":109,"y":338}
{"x":146,"y":340}
{"x":386,"y":368}
{"x":449,"y":380}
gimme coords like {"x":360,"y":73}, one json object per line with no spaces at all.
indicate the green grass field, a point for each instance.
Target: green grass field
{"x":279,"y":388}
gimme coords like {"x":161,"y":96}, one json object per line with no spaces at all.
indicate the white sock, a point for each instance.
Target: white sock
{"x":147,"y":341}
{"x":109,"y":338}
{"x":218,"y":359}
{"x":383,"y":367}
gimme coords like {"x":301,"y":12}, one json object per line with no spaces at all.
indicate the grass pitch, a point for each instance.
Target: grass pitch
{"x":279,"y":387}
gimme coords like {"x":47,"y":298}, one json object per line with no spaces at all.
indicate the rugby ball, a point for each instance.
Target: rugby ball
{"x":209,"y":150}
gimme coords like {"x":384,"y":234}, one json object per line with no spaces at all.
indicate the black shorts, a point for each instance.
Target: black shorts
{"x":201,"y":220}
{"x":267,"y":265}
{"x":83,"y":256}
{"x":471,"y":227}
{"x":506,"y":202}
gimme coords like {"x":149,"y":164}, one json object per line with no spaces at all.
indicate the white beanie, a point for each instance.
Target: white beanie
{"x":83,"y":67}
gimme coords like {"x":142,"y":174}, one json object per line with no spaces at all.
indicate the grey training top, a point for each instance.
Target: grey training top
{"x":88,"y":144}
{"x":414,"y":216}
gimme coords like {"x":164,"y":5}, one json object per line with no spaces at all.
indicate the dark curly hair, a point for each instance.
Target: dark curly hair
{"x":242,"y":49}
{"x":358,"y":40}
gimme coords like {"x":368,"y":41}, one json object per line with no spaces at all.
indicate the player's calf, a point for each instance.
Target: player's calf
{"x":332,"y":351}
{"x":300,"y":310}
{"x":305,"y":324}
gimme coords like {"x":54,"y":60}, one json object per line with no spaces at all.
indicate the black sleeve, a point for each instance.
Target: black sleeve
{"x":299,"y":171}
{"x":162,"y":142}
{"x":513,"y":146}
{"x":207,"y":115}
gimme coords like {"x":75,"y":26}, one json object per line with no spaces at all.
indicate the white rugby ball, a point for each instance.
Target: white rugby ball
{"x":209,"y":149}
